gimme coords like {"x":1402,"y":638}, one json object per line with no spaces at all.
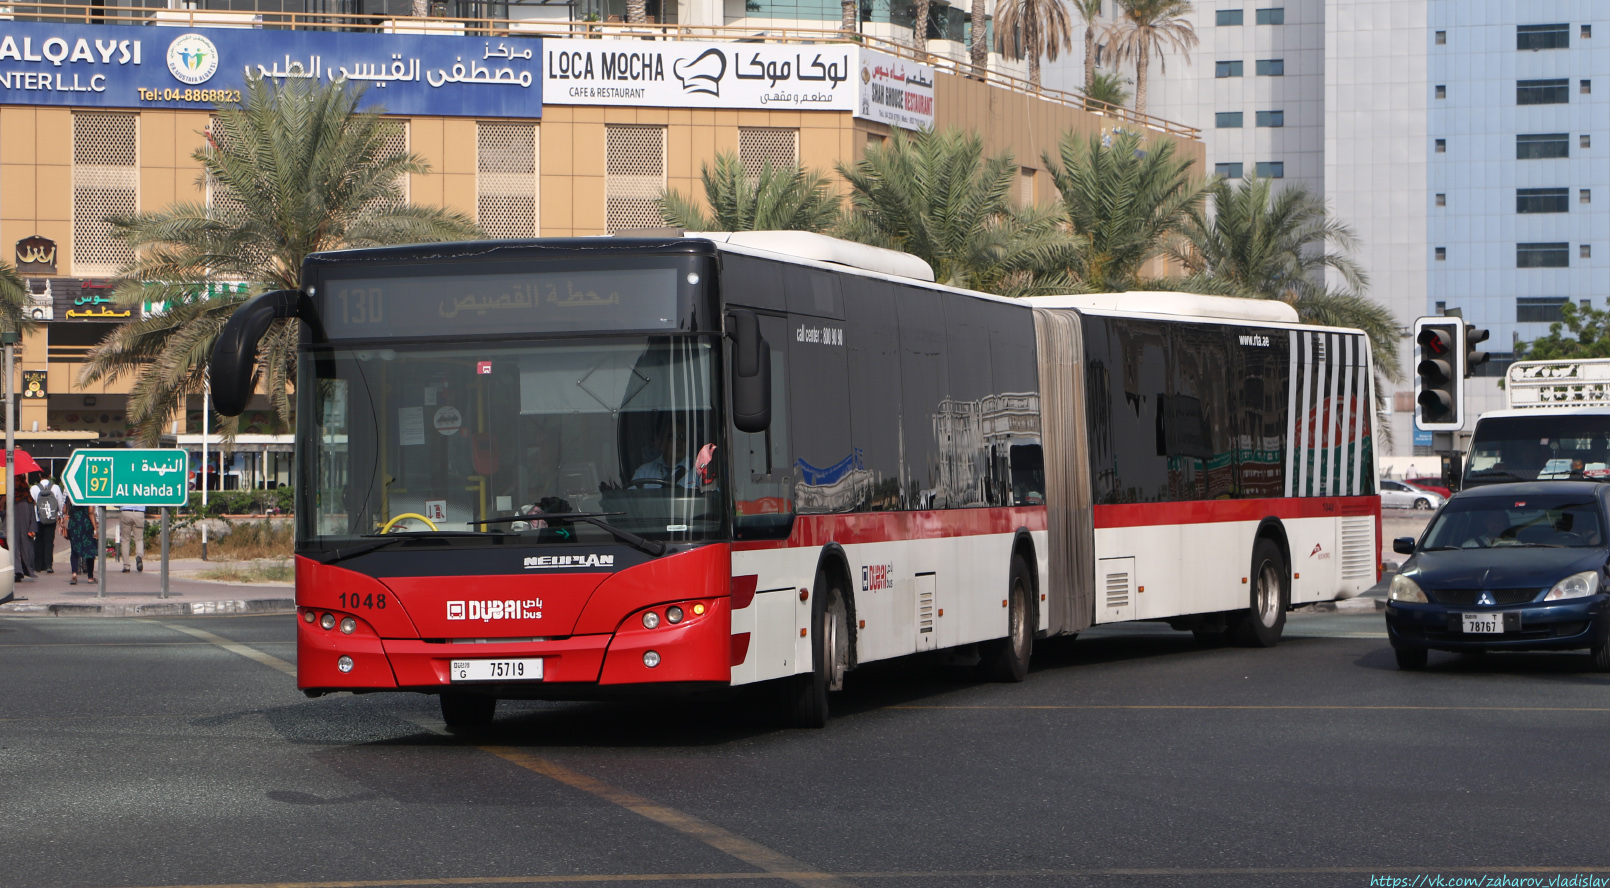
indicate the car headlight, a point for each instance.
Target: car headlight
{"x":1575,"y":586}
{"x":1405,"y":589}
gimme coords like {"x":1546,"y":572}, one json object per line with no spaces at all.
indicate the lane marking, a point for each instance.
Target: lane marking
{"x":1298,"y":707}
{"x":775,"y":863}
{"x":249,"y":653}
{"x":74,"y":644}
{"x":583,"y":878}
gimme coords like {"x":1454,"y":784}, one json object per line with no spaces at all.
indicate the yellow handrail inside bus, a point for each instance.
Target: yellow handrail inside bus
{"x":387,"y":528}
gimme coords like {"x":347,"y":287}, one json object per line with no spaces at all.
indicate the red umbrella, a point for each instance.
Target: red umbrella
{"x":25,"y":463}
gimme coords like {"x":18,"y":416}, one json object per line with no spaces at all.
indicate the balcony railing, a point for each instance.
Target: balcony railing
{"x":318,"y":21}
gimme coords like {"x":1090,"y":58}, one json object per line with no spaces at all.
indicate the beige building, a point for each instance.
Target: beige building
{"x":570,"y":169}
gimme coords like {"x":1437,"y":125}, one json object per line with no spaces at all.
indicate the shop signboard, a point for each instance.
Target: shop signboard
{"x":114,"y":66}
{"x":757,"y":76}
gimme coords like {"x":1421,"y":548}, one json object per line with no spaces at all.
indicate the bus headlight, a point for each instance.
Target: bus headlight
{"x":348,"y":626}
{"x":651,"y":620}
{"x":651,"y":659}
{"x":1575,"y":586}
{"x":327,"y":621}
{"x":673,"y":614}
{"x":1405,"y":589}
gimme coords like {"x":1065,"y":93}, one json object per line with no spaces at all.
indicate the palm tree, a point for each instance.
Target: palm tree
{"x":919,"y":28}
{"x":294,"y":169}
{"x":978,"y":39}
{"x":1107,"y":90}
{"x":1148,"y":26}
{"x":848,"y":14}
{"x":636,"y":12}
{"x":1034,"y":28}
{"x":1089,"y":12}
{"x":1124,"y":202}
{"x":14,"y":301}
{"x":1263,"y":245}
{"x":935,"y":196}
{"x":791,"y":199}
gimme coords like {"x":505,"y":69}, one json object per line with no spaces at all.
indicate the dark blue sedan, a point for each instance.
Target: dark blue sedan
{"x":1507,"y":567}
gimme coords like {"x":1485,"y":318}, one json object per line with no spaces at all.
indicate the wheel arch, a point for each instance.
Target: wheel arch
{"x":1023,"y":545}
{"x":835,"y":562}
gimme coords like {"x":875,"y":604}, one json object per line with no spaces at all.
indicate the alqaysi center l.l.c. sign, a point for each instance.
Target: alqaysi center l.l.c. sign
{"x":766,"y":76}
{"x":110,"y":66}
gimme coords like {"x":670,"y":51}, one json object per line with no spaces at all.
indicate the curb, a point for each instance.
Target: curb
{"x":1350,"y":606}
{"x":153,"y":609}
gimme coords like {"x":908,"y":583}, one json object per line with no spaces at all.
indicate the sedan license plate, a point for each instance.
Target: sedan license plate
{"x":1483,"y":624}
{"x":496,"y":670}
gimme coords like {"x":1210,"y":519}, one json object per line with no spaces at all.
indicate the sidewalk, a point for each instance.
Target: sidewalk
{"x":134,"y":594}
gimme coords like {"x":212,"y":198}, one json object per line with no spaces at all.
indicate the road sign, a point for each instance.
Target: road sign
{"x":128,"y":477}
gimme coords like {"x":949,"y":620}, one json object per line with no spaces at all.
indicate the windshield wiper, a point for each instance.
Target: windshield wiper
{"x":652,"y":547}
{"x":1505,"y":472}
{"x":387,"y":539}
{"x":1442,"y":548}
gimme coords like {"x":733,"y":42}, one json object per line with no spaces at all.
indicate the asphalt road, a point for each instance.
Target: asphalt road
{"x":134,"y":753}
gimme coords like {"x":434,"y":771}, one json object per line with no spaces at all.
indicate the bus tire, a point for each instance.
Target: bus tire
{"x":462,"y":710}
{"x":1270,"y":588}
{"x":805,"y":694}
{"x":1007,"y":659}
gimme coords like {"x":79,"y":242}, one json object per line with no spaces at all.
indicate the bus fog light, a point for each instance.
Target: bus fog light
{"x":673,"y":614}
{"x":344,"y":664}
{"x":309,"y":616}
{"x":651,"y":659}
{"x":348,"y":625}
{"x":327,"y":621}
{"x":651,"y":620}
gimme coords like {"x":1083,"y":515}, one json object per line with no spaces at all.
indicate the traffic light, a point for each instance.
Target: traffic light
{"x":1440,"y":373}
{"x":1474,"y":336}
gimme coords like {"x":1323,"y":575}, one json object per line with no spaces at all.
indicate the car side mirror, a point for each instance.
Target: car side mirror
{"x":1403,"y":545}
{"x":751,"y":374}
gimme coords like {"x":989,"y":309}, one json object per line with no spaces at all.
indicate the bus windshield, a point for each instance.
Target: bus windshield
{"x":421,"y":438}
{"x":1545,"y":447}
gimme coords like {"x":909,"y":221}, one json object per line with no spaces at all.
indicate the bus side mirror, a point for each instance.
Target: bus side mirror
{"x":234,"y":354}
{"x":751,"y":374}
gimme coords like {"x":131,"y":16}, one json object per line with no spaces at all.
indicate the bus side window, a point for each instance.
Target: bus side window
{"x":924,"y":388}
{"x":872,"y":340}
{"x":829,"y":475}
{"x":761,"y":479}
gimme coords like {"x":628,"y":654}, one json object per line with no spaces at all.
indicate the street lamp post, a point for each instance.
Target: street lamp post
{"x":206,"y":467}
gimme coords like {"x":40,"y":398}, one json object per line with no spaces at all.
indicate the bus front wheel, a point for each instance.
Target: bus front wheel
{"x":805,"y":695}
{"x":1007,"y":659}
{"x":1265,"y":617}
{"x":461,"y":710}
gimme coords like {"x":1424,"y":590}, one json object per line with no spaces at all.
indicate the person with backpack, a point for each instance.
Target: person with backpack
{"x":48,"y":507}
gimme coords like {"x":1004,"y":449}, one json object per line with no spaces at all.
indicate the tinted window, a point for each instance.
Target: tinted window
{"x":1228,"y":17}
{"x":1538,"y":146}
{"x":1271,"y":67}
{"x":1227,"y":69}
{"x":752,"y":282}
{"x":1543,"y":36}
{"x":1542,"y":200}
{"x":1126,"y":376}
{"x":1012,"y":415}
{"x":1542,"y":92}
{"x":1227,"y":119}
{"x":828,"y":474}
{"x":1274,"y":16}
{"x":1489,"y":522}
{"x":1545,"y":255}
{"x":762,"y":473}
{"x":1259,"y":364}
{"x":813,"y":292}
{"x":924,"y":385}
{"x":872,"y":344}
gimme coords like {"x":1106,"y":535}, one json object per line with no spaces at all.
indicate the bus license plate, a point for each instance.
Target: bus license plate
{"x":1490,"y":624}
{"x":496,"y":670}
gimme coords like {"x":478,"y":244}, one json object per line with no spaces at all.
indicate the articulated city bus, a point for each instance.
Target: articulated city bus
{"x":573,"y":468}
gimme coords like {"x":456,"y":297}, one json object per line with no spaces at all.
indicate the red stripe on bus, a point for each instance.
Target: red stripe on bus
{"x":1217,"y":511}
{"x":883,"y":527}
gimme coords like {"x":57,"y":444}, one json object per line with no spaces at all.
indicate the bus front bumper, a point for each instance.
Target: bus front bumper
{"x":699,"y":649}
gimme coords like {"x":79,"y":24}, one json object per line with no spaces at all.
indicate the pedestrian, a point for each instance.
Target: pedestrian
{"x":48,"y":507}
{"x":25,"y":526}
{"x":131,"y":527}
{"x":80,"y":531}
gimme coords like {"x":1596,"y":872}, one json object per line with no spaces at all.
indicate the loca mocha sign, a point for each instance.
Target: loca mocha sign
{"x":769,"y":76}
{"x":107,"y":66}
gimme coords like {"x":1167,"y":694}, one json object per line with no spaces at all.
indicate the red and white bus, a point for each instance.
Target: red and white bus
{"x":572,"y":468}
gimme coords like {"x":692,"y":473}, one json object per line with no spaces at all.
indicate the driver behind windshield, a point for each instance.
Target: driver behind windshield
{"x":1486,"y":530}
{"x":671,"y":441}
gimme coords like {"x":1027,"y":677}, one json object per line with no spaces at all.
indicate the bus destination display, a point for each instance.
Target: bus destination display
{"x":557,"y":301}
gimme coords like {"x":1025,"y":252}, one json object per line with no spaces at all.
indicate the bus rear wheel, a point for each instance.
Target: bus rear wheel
{"x":1265,"y":617}
{"x":1007,"y":659}
{"x":461,"y":710}
{"x":805,"y":695}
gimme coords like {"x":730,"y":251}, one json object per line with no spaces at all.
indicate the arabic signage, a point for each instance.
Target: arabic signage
{"x":36,"y":255}
{"x":107,"y":66}
{"x":157,"y":477}
{"x":781,"y":77}
{"x":86,"y":300}
{"x":895,"y":91}
{"x":33,"y":385}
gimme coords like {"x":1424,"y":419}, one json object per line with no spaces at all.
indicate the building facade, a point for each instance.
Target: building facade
{"x":560,"y":137}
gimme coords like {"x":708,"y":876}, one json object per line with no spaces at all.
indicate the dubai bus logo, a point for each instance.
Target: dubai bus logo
{"x":487,"y":611}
